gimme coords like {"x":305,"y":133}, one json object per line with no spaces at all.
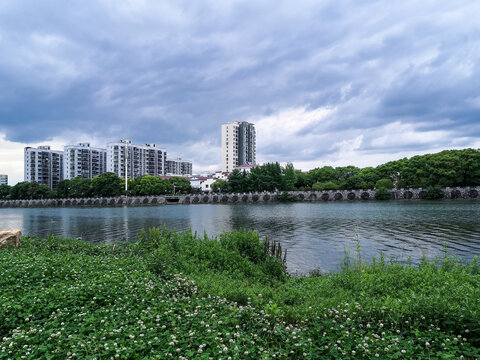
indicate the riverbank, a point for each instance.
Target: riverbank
{"x":454,"y":193}
{"x":178,"y":295}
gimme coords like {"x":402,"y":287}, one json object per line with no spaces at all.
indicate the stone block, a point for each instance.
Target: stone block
{"x":10,"y":237}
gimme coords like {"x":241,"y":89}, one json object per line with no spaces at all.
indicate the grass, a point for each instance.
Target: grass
{"x":173,"y":295}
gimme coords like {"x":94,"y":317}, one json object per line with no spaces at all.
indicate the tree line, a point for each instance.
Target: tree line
{"x":105,"y":185}
{"x":446,"y":168}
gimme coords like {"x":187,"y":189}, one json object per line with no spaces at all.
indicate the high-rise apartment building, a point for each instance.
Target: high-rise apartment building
{"x":3,"y":179}
{"x":238,"y":145}
{"x":138,"y":159}
{"x":179,"y":167}
{"x":84,"y":161}
{"x":43,"y":165}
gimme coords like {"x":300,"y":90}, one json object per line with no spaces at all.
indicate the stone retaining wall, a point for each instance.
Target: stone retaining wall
{"x":471,"y":192}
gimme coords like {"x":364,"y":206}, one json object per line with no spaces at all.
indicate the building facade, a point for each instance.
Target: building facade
{"x":43,"y":165}
{"x":135,"y":160}
{"x":238,"y":145}
{"x":179,"y":167}
{"x":84,"y":161}
{"x":3,"y":179}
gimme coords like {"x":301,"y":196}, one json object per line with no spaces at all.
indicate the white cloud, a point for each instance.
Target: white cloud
{"x":12,"y":153}
{"x":397,"y":135}
{"x":204,"y":153}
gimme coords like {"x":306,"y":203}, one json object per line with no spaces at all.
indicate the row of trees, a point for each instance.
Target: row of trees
{"x":105,"y":185}
{"x":446,"y":168}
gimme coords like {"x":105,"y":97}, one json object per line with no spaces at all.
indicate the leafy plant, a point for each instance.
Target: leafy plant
{"x":286,"y":197}
{"x":173,"y":295}
{"x":434,"y":193}
{"x":382,"y":194}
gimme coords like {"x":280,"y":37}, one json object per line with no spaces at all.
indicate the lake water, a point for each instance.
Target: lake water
{"x":315,"y":234}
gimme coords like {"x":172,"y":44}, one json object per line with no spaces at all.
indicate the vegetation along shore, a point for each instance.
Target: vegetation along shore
{"x":183,"y":296}
{"x":449,"y":168}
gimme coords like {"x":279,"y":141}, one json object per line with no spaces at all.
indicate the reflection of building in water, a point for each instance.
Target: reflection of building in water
{"x":43,"y":165}
{"x":84,"y":161}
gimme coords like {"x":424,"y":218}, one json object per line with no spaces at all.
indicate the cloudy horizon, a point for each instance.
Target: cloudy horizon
{"x":325,"y":82}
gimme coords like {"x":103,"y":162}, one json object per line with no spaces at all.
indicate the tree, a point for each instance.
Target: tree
{"x":63,"y":189}
{"x":81,"y":187}
{"x":219,"y":185}
{"x":4,"y":191}
{"x":107,"y":184}
{"x":20,"y":191}
{"x":434,"y":193}
{"x":182,"y":185}
{"x":382,"y":194}
{"x":289,"y":177}
{"x":301,"y":182}
{"x":384,"y":183}
{"x":151,"y":185}
{"x":236,"y":182}
{"x":369,"y":177}
{"x":30,"y":190}
{"x":329,"y":185}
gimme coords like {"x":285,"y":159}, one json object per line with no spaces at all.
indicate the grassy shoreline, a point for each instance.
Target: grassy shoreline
{"x":177,"y":296}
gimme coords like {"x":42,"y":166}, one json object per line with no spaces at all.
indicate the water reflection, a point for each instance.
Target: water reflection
{"x":315,"y":235}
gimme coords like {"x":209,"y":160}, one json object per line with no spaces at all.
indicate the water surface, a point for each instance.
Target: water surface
{"x":315,"y":234}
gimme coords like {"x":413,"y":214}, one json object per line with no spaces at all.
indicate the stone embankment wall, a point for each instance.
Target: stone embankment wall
{"x":472,"y":192}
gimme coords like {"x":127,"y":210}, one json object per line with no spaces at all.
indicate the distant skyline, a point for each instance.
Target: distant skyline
{"x":324,"y":82}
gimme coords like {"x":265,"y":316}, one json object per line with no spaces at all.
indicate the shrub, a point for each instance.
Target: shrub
{"x":384,"y":183}
{"x":382,"y":194}
{"x":286,"y":197}
{"x":329,"y":185}
{"x":434,"y":193}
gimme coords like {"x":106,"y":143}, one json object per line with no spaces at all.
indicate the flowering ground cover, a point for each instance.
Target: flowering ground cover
{"x":182,"y":296}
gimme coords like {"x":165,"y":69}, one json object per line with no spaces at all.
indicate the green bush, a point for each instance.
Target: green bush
{"x":382,"y":194}
{"x":434,"y":193}
{"x":286,"y":197}
{"x":329,"y":185}
{"x":384,"y":183}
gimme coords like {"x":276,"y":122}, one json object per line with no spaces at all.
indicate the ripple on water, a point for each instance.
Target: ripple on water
{"x":315,"y":234}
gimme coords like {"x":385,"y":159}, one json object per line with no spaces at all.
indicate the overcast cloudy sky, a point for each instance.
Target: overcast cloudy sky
{"x":325,"y":82}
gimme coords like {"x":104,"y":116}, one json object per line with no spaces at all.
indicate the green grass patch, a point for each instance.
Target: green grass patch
{"x":173,"y":295}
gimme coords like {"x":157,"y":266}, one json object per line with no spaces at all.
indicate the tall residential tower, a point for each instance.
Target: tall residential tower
{"x":84,"y":161}
{"x":178,"y":167}
{"x":238,"y":145}
{"x":44,"y":166}
{"x":140,"y":160}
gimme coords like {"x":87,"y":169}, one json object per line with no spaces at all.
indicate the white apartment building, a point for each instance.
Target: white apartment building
{"x":3,"y":179}
{"x":43,"y":165}
{"x":140,"y":160}
{"x":179,"y":167}
{"x":238,"y":145}
{"x":84,"y":161}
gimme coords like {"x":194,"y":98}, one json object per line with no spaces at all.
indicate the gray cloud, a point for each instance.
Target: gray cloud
{"x":172,"y":72}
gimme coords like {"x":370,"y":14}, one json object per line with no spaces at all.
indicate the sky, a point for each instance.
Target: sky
{"x":325,"y":82}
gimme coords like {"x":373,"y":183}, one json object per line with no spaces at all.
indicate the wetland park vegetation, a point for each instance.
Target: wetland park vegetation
{"x":183,"y":296}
